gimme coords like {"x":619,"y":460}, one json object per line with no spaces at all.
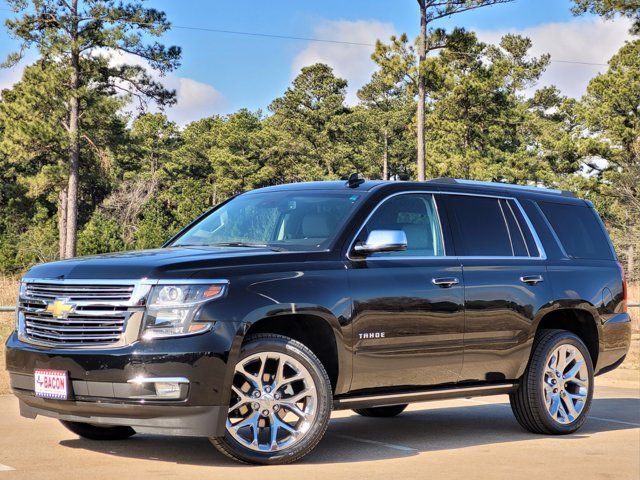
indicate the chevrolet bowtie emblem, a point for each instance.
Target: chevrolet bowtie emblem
{"x":60,"y":308}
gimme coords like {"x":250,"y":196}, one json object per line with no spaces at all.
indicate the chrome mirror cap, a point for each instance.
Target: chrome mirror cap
{"x":382,"y":241}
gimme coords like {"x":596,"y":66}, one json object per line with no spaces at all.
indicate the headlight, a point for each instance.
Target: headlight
{"x":171,"y":309}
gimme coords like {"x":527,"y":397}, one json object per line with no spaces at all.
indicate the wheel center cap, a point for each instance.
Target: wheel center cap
{"x":267,"y":400}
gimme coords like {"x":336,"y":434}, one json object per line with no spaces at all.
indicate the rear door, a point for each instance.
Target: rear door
{"x":408,"y":321}
{"x":505,"y":280}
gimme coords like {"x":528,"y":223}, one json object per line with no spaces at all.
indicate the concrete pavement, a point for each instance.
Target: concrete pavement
{"x":468,"y":438}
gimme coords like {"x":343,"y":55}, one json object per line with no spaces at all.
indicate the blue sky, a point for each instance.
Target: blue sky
{"x":223,"y":72}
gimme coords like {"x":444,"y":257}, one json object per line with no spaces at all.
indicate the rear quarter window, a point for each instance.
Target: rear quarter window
{"x":579,"y":230}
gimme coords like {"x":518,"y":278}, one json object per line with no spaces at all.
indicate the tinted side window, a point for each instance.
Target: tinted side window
{"x":481,"y":226}
{"x":417,"y":216}
{"x":578,"y":229}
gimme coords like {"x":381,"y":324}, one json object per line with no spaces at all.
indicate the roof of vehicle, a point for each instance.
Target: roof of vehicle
{"x":443,"y":184}
{"x":323,"y":185}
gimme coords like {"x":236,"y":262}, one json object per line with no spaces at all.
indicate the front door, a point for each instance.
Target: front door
{"x":408,"y":306}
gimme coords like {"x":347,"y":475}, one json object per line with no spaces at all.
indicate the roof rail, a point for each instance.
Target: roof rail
{"x":508,"y":186}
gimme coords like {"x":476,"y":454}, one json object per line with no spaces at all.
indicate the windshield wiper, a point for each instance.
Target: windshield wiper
{"x":248,"y":245}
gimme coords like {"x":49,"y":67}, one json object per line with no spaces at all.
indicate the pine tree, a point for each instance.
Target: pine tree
{"x":610,"y":111}
{"x":611,"y":8}
{"x":429,"y":40}
{"x":80,"y":35}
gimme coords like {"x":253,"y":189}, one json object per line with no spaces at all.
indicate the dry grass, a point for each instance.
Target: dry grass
{"x":6,"y":327}
{"x":634,"y":297}
{"x":8,"y":295}
{"x":8,"y":291}
{"x":632,"y":361}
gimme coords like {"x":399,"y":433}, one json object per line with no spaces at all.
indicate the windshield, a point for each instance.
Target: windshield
{"x":281,"y":220}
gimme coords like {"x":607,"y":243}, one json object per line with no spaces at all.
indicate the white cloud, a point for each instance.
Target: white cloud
{"x":351,"y":62}
{"x":584,"y":40}
{"x":195,"y":100}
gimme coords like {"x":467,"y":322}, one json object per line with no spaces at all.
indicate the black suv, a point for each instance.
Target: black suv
{"x":281,"y":304}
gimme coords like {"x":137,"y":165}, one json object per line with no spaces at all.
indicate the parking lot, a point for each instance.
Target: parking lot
{"x":468,"y":438}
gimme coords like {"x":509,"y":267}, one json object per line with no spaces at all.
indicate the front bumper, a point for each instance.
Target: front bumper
{"x":101,"y":391}
{"x":163,"y":420}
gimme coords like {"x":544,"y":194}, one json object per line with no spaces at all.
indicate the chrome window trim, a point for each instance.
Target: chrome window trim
{"x":506,"y":225}
{"x":524,"y":240}
{"x":444,"y":246}
{"x":541,"y":252}
{"x":406,"y":257}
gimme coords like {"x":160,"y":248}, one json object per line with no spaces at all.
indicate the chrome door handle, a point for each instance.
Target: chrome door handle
{"x":445,"y":282}
{"x":532,"y":279}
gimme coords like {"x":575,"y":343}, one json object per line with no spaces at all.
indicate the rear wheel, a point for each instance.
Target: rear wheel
{"x":555,"y":392}
{"x":280,"y":402}
{"x":96,"y":432}
{"x":381,"y":412}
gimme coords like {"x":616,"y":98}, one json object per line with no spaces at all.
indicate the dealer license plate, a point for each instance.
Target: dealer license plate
{"x":51,"y":384}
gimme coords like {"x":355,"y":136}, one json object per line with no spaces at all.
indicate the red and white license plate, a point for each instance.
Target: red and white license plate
{"x":51,"y":384}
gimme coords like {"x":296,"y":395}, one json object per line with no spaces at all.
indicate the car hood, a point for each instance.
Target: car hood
{"x":172,"y":262}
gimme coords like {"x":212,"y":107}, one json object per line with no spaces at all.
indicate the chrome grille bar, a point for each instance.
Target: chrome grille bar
{"x":73,"y":339}
{"x":98,"y":316}
{"x":51,"y":291}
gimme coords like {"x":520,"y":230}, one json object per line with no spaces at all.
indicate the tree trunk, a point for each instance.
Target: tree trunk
{"x":62,"y":222}
{"x":385,"y":156}
{"x":422,"y":56}
{"x":74,"y":139}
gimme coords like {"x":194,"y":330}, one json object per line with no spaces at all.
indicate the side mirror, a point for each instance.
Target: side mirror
{"x":382,"y":241}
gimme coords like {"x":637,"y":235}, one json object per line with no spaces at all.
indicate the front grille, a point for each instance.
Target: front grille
{"x":98,"y":315}
{"x":76,"y":329}
{"x":76,"y":293}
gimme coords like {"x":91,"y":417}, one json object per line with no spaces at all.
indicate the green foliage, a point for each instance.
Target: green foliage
{"x":100,"y":235}
{"x":37,"y":244}
{"x":84,"y":42}
{"x":143,"y":178}
{"x":155,"y":226}
{"x":110,"y":25}
{"x":610,"y":112}
{"x":306,"y":120}
{"x":611,"y":8}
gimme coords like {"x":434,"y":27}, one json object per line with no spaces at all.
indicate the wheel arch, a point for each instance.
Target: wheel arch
{"x":581,"y":321}
{"x":315,"y":327}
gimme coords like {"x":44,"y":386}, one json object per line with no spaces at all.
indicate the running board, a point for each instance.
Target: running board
{"x":395,"y":398}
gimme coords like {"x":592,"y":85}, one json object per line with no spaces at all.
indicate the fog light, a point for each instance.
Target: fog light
{"x":168,"y":389}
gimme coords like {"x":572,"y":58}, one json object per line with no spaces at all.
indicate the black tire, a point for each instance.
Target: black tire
{"x":381,"y":412}
{"x":528,"y":402}
{"x":95,"y":432}
{"x":230,"y":447}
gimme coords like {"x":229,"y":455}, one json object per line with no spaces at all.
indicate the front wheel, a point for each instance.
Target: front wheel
{"x":280,"y":402}
{"x":96,"y":432}
{"x":555,"y":392}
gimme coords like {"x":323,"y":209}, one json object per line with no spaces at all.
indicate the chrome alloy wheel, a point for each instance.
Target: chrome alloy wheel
{"x":566,"y":383}
{"x":273,"y":402}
